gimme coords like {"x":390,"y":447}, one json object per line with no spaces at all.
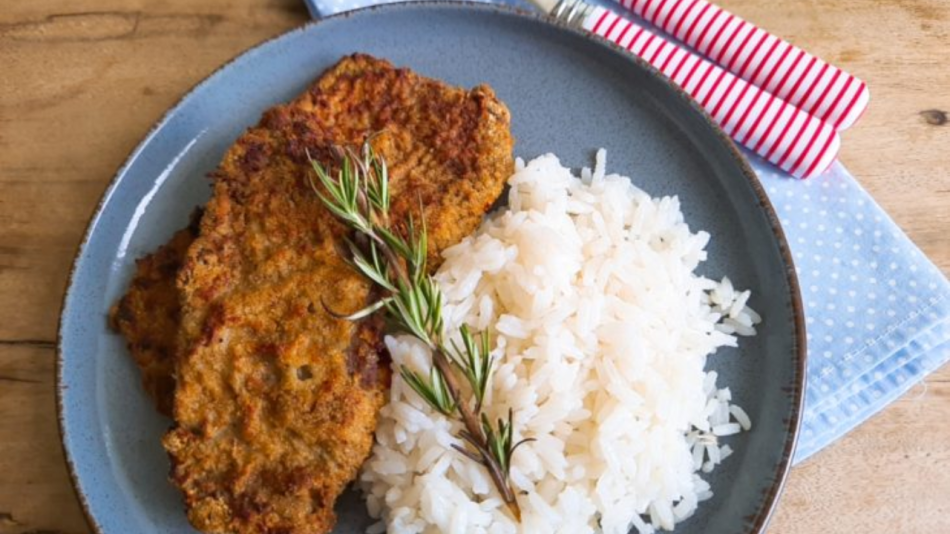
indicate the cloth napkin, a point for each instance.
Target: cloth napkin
{"x":877,"y":311}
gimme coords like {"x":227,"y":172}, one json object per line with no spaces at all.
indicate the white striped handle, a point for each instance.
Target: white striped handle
{"x":788,"y":72}
{"x":786,"y":136}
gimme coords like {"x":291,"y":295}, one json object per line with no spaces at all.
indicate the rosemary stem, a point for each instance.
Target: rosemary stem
{"x":476,"y":434}
{"x":468,"y":418}
{"x":391,"y":258}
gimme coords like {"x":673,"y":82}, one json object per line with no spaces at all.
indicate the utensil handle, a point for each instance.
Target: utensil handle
{"x":783,"y":134}
{"x":788,"y":72}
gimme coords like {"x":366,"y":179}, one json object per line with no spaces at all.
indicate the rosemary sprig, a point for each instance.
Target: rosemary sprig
{"x":358,"y":195}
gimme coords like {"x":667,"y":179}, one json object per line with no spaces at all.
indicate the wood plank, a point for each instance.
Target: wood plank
{"x":884,"y":476}
{"x":35,"y":493}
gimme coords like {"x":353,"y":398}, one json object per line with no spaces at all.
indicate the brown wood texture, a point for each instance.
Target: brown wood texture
{"x":82,"y":81}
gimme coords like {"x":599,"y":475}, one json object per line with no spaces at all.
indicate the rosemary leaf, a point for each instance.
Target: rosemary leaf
{"x":399,"y":246}
{"x":371,"y":269}
{"x":369,"y":310}
{"x":381,"y":173}
{"x":434,"y":391}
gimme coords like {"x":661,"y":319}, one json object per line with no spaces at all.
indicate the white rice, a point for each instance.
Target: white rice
{"x":601,"y":329}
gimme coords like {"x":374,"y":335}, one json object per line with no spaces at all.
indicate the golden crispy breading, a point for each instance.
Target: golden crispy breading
{"x":276,"y":399}
{"x":149,"y":315}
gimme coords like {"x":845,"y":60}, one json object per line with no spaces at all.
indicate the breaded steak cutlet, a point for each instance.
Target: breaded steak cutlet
{"x":276,"y":398}
{"x":149,"y":315}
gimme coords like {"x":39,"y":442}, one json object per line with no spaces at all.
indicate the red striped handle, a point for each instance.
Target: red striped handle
{"x":756,"y":56}
{"x":786,"y":136}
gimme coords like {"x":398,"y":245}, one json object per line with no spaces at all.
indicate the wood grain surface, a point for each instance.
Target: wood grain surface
{"x":82,"y":81}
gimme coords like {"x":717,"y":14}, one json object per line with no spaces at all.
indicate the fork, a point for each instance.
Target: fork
{"x":776,"y":130}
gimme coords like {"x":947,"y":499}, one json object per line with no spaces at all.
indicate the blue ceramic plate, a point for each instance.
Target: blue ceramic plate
{"x":568,"y":93}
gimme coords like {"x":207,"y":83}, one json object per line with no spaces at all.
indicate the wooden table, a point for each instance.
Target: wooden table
{"x":82,"y":81}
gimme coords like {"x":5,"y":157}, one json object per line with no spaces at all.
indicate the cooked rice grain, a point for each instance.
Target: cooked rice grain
{"x":601,"y":328}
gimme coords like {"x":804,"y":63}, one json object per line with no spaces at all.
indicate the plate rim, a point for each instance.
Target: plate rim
{"x":797,"y":392}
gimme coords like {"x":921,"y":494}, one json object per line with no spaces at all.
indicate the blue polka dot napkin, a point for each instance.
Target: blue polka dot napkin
{"x":877,"y":310}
